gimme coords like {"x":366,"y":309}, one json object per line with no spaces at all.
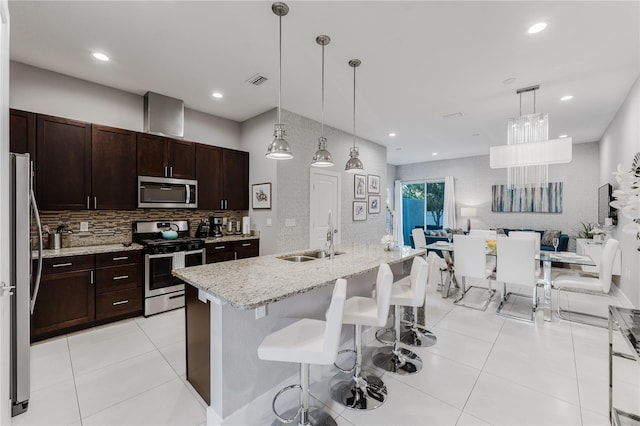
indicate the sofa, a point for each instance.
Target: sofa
{"x":562,"y":246}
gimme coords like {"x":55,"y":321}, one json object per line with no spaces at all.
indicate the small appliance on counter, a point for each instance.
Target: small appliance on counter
{"x":229,"y":227}
{"x":216,"y":226}
{"x":203,"y":229}
{"x":246,"y":225}
{"x":238,"y":228}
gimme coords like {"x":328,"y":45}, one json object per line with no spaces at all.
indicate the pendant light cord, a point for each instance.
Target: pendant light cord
{"x":280,"y":71}
{"x":354,"y":107}
{"x":322,"y":125}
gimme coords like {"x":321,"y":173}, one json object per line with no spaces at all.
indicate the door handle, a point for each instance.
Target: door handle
{"x":60,"y":265}
{"x":122,"y":302}
{"x":95,"y":203}
{"x":171,"y":171}
{"x":91,"y":277}
{"x":121,"y":258}
{"x":88,"y":206}
{"x":7,"y":289}
{"x":121,"y":277}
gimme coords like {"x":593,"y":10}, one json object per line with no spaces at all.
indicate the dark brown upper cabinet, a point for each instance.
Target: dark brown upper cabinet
{"x":113,"y":163}
{"x":63,"y":169}
{"x":164,"y":157}
{"x":223,"y":178}
{"x":209,"y":175}
{"x":22,"y":132}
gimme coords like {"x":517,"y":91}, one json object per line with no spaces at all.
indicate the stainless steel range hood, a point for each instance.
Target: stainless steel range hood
{"x":163,"y":115}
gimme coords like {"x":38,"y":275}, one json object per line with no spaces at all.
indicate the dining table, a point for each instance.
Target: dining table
{"x":546,"y":257}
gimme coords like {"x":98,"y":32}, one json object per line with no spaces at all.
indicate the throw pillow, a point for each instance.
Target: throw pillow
{"x":433,"y":233}
{"x":500,"y":231}
{"x":442,"y":233}
{"x":548,"y":236}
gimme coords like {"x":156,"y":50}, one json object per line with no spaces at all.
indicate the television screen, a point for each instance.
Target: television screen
{"x":604,"y":210}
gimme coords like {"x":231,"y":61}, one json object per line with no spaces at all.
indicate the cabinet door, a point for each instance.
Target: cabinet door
{"x":220,"y":252}
{"x":209,"y":175}
{"x":152,"y":155}
{"x":182,"y":159}
{"x":247,"y":248}
{"x":113,"y":173}
{"x":64,"y":163}
{"x":22,"y":133}
{"x":65,"y":300}
{"x":236,"y":179}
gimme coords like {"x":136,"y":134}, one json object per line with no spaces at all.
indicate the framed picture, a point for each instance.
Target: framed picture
{"x":359,"y":186}
{"x":359,"y":210}
{"x":373,"y":184}
{"x":261,"y":195}
{"x":374,"y":204}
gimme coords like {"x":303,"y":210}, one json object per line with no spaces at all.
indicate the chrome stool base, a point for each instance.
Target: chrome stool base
{"x":316,"y":417}
{"x":417,"y":336}
{"x":385,"y":336}
{"x":402,"y":361}
{"x":363,"y":393}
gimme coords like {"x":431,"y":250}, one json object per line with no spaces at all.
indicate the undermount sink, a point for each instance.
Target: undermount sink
{"x":297,"y":259}
{"x":308,"y":255}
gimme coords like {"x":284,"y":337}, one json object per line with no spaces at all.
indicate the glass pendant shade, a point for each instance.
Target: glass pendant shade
{"x":322,"y":157}
{"x":354,"y":165}
{"x":279,"y":149}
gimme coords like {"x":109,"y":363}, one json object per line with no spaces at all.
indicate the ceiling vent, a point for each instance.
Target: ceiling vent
{"x":257,"y":80}
{"x":163,"y":115}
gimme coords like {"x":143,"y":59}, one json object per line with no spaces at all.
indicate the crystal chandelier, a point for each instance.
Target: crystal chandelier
{"x":529,"y":151}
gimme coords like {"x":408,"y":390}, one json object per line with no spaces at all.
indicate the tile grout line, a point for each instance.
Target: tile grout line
{"x":575,"y":364}
{"x":73,"y":375}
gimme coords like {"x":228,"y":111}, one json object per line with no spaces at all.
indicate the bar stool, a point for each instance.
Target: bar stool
{"x":358,"y":392}
{"x":307,"y":341}
{"x":393,"y":358}
{"x":413,"y":333}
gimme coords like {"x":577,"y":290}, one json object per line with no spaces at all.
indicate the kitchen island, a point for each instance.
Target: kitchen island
{"x":231,"y":306}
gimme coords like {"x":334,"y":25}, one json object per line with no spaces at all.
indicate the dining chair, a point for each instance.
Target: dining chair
{"x":487,"y":234}
{"x":531,"y":235}
{"x":588,"y":284}
{"x":419,"y":240}
{"x":470,"y":262}
{"x":517,"y":265}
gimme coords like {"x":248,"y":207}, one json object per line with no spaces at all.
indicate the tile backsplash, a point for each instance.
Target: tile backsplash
{"x":115,"y":226}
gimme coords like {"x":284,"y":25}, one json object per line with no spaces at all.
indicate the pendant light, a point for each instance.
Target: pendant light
{"x":279,"y":149}
{"x":322,"y":157}
{"x":354,"y":165}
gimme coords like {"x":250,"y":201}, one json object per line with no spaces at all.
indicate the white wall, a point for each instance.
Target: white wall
{"x":474,"y":178}
{"x":290,"y":184}
{"x":619,"y":144}
{"x":43,"y":91}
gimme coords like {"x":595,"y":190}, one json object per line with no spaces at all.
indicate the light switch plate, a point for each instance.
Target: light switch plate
{"x":269,"y":222}
{"x":289,"y":222}
{"x":84,"y":226}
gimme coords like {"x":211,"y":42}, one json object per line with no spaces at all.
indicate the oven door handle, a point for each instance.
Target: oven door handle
{"x":158,"y":256}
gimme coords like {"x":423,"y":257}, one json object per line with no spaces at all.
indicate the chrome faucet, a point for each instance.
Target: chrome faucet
{"x":330,"y":233}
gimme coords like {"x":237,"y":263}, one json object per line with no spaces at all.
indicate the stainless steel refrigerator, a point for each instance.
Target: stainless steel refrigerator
{"x":23,"y":299}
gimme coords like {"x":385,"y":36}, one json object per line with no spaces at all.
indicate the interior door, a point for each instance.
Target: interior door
{"x":5,"y":416}
{"x":324,"y":197}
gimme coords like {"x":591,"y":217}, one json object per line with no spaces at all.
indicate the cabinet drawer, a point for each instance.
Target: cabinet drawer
{"x":247,"y":248}
{"x":118,"y":277}
{"x":118,"y":258}
{"x":115,"y":303}
{"x":219,"y":252}
{"x":66,"y":264}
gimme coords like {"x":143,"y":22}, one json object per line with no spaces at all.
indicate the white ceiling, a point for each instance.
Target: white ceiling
{"x":420,"y":61}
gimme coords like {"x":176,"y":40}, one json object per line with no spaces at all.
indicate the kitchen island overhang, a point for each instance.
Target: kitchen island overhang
{"x":236,"y":303}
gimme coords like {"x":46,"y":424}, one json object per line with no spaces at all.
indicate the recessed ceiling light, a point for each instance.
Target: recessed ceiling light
{"x":536,"y":28}
{"x":392,"y":134}
{"x":434,"y":153}
{"x":100,"y":56}
{"x":563,"y":136}
{"x":566,"y":98}
{"x":217,"y":95}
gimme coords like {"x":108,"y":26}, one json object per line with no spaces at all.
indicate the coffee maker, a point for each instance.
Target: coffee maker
{"x":216,"y":226}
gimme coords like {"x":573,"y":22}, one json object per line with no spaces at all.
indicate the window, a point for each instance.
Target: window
{"x":422,"y":203}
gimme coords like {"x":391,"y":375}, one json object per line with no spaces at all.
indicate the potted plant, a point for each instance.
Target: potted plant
{"x":589,"y":230}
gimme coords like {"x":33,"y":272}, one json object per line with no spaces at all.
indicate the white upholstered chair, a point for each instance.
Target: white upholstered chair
{"x":359,"y":392}
{"x":307,"y":341}
{"x":531,"y":235}
{"x":470,"y":262}
{"x":588,"y":284}
{"x":419,"y":240}
{"x":487,"y":234}
{"x":517,"y":265}
{"x":415,"y":334}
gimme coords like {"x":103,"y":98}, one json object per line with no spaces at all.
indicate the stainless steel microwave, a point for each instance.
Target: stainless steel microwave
{"x":167,"y":193}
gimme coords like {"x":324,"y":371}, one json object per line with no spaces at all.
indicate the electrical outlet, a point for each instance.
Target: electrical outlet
{"x":84,"y":226}
{"x":261,"y":312}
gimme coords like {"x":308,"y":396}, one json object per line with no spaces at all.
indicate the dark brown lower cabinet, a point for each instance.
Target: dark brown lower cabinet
{"x":66,"y":298}
{"x":247,"y":248}
{"x":198,"y":343}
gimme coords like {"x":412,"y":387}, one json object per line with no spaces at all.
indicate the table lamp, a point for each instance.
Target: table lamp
{"x":468,"y":212}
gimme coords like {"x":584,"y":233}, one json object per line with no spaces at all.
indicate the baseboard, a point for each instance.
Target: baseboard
{"x":620,"y":294}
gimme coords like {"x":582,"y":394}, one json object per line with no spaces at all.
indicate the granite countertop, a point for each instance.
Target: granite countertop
{"x":78,"y":251}
{"x":226,"y":238}
{"x":258,"y":281}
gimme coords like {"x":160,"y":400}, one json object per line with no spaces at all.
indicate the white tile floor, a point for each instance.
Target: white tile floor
{"x":484,"y":370}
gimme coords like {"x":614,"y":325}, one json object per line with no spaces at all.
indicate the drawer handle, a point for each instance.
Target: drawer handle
{"x":220,"y":247}
{"x":60,"y":265}
{"x":121,"y":258}
{"x":176,"y":297}
{"x":121,"y":277}
{"x":122,"y":302}
{"x":246,"y":244}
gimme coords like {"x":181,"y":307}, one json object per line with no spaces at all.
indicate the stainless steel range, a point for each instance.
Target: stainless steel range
{"x":167,"y":246}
